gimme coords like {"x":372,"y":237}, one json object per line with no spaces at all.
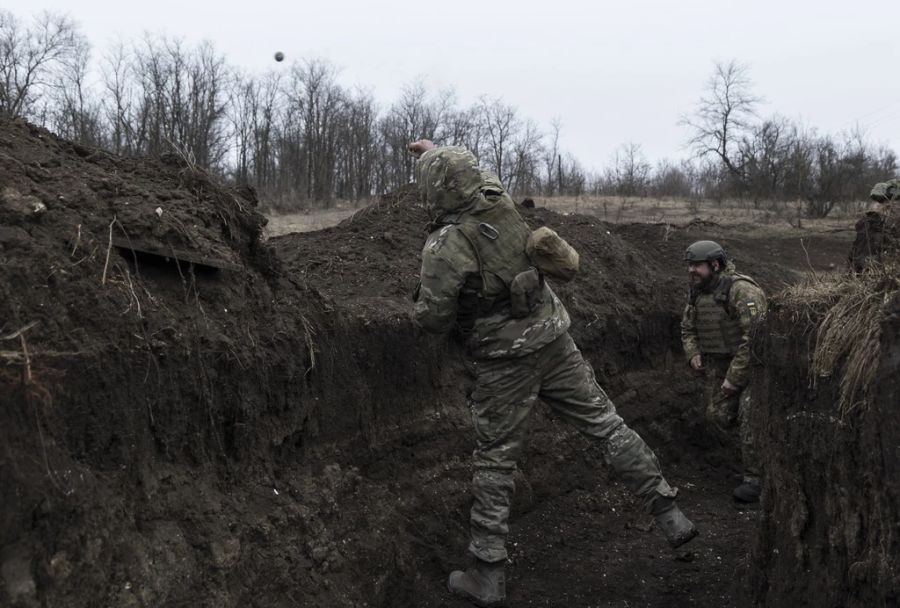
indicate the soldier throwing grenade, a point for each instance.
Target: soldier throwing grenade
{"x":715,"y":332}
{"x":474,"y":264}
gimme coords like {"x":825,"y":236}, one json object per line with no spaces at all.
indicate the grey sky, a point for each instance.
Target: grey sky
{"x":613,"y":71}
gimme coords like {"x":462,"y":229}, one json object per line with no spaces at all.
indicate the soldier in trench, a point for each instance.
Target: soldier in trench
{"x":878,"y":231}
{"x":715,"y":333}
{"x":886,"y":192}
{"x":478,"y":283}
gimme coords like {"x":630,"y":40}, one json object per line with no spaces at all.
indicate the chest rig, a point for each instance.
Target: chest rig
{"x":717,"y":322}
{"x":497,"y":236}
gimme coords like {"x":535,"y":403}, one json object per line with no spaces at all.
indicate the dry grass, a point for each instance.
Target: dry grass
{"x":766,"y":217}
{"x":783,"y":216}
{"x":847,"y":312}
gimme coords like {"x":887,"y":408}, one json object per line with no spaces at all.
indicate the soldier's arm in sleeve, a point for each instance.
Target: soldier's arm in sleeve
{"x":689,"y":332}
{"x":749,"y":301}
{"x":444,"y":271}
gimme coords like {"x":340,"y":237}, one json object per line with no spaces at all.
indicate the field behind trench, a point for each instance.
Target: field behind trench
{"x":282,"y":435}
{"x":763,"y":217}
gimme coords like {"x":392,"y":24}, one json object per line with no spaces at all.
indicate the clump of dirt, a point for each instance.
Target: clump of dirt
{"x":828,"y":435}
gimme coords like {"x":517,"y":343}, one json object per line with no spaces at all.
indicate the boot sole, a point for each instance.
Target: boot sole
{"x":475,"y":600}
{"x":481,"y":603}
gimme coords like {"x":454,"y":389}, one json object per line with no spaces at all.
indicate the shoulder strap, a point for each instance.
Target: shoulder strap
{"x":720,"y":294}
{"x":469,"y":233}
{"x":693,"y":294}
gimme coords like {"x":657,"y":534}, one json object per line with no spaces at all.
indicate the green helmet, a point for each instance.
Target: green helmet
{"x":448,"y":178}
{"x":705,"y":251}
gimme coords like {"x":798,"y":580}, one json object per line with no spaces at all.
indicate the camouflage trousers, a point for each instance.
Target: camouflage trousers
{"x":505,"y":392}
{"x":730,"y":414}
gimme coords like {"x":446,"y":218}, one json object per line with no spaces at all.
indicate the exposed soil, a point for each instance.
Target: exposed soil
{"x":829,"y":532}
{"x":231,"y":422}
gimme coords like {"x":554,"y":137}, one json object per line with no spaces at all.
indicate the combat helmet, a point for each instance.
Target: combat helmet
{"x":885,"y":192}
{"x":705,"y":251}
{"x":448,"y":178}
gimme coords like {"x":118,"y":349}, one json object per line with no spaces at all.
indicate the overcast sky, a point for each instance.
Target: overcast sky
{"x":613,"y":71}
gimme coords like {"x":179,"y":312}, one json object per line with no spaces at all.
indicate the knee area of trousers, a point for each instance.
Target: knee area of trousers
{"x":661,"y":498}
{"x":493,"y":477}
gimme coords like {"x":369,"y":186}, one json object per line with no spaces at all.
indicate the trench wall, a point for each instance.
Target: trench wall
{"x":830,"y":530}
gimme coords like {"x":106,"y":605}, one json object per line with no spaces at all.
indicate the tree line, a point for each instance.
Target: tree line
{"x":301,"y":138}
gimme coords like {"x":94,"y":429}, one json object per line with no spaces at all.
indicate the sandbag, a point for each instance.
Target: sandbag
{"x":552,"y":255}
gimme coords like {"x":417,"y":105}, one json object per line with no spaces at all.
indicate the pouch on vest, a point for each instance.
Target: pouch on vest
{"x":552,"y":255}
{"x":525,"y":293}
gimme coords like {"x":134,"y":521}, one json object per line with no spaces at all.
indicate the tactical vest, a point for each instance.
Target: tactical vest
{"x":498,"y":236}
{"x":717,"y":323}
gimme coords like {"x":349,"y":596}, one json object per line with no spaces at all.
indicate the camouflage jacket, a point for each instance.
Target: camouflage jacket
{"x":454,"y":290}
{"x":744,"y":302}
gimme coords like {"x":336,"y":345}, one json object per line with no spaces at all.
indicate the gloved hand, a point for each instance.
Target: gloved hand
{"x":723,"y":410}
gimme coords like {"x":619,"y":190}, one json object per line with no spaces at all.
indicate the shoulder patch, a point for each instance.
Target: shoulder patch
{"x":751,"y":306}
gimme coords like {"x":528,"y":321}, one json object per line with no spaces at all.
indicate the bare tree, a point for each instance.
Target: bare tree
{"x":319,"y":102}
{"x":29,"y":57}
{"x":722,"y":114}
{"x":552,"y":160}
{"x":253,"y":111}
{"x":302,"y":137}
{"x":527,"y":150}
{"x":417,"y":114}
{"x":408,"y":119}
{"x":356,"y":160}
{"x":573,"y":177}
{"x":73,"y":111}
{"x":163,"y":94}
{"x":501,"y":125}
{"x":117,"y":103}
{"x":764,"y":154}
{"x":630,"y":172}
{"x":464,"y":127}
{"x":675,"y":180}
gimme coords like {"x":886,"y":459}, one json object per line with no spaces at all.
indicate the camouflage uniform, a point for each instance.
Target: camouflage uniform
{"x":716,"y":325}
{"x":468,"y":263}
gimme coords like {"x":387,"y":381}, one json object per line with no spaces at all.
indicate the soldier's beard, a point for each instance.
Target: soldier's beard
{"x":699,"y":281}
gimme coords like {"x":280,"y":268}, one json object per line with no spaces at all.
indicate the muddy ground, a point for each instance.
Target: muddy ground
{"x":203,"y":418}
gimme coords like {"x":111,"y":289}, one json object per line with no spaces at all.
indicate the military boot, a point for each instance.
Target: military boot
{"x":484,"y":583}
{"x":677,"y":528}
{"x":748,"y":492}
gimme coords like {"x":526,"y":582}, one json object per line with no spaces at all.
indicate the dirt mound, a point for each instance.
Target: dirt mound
{"x":368,"y":262}
{"x":155,"y":368}
{"x":829,"y":432}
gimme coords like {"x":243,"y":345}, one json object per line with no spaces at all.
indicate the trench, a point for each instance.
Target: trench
{"x":274,"y":431}
{"x":335,"y":473}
